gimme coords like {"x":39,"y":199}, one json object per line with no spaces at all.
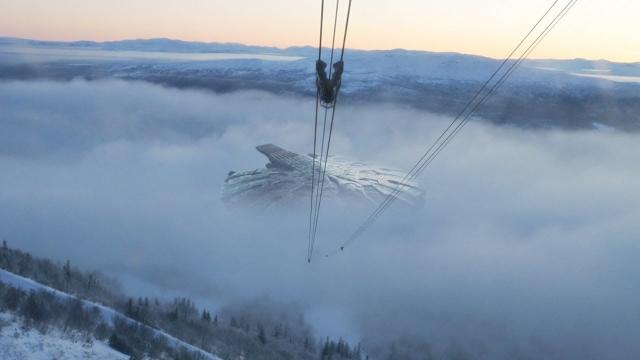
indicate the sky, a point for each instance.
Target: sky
{"x":526,"y":246}
{"x":593,"y":30}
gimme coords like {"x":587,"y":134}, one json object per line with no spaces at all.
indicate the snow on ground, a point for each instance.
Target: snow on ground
{"x":17,"y":343}
{"x":107,"y":314}
{"x":26,"y":284}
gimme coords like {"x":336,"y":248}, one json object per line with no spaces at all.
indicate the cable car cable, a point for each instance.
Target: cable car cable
{"x":323,"y":171}
{"x":439,"y":145}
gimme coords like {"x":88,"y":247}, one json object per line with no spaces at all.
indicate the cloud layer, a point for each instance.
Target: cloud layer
{"x":526,"y":248}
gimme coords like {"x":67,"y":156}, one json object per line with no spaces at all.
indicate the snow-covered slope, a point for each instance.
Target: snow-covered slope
{"x":108,"y":314}
{"x":23,"y":283}
{"x":19,"y":343}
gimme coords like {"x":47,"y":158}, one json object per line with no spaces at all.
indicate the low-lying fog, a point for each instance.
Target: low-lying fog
{"x":528,"y":242}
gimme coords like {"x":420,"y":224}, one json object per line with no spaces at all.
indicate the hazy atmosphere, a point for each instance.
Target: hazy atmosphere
{"x":594,"y":30}
{"x":526,"y":242}
{"x":319,"y":180}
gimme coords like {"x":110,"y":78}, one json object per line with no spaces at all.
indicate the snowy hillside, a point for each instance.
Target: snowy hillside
{"x":88,"y":302}
{"x":20,"y":343}
{"x":109,"y":316}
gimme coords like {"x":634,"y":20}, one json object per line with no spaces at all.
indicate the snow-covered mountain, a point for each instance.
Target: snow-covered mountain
{"x":377,"y":63}
{"x":575,"y":93}
{"x":19,"y":342}
{"x":158,"y":45}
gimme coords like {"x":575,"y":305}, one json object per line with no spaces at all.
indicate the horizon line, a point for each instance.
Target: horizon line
{"x":310,"y":46}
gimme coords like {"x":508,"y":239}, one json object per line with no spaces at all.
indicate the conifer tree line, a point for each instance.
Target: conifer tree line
{"x":256,"y":330}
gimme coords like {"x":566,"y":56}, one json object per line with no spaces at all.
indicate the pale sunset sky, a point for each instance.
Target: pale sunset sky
{"x":608,"y":29}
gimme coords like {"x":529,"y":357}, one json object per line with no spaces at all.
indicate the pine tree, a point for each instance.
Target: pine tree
{"x":4,"y":259}
{"x":326,"y":352}
{"x":392,"y":352}
{"x":206,"y":316}
{"x":90,"y":281}
{"x":262,"y":337}
{"x":67,"y":274}
{"x":130,"y":311}
{"x":32,"y":309}
{"x":233,"y":322}
{"x":173,"y":315}
{"x":277,"y":331}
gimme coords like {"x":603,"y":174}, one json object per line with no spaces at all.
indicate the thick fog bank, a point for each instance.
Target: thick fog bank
{"x":527,"y":245}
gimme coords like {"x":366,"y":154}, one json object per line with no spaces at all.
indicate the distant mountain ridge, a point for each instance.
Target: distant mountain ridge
{"x":154,"y":44}
{"x":575,"y":93}
{"x":176,"y":45}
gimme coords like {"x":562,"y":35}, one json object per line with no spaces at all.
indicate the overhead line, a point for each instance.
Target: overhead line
{"x":421,"y":165}
{"x":321,"y":180}
{"x":318,"y":199}
{"x":315,"y":135}
{"x":398,"y":188}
